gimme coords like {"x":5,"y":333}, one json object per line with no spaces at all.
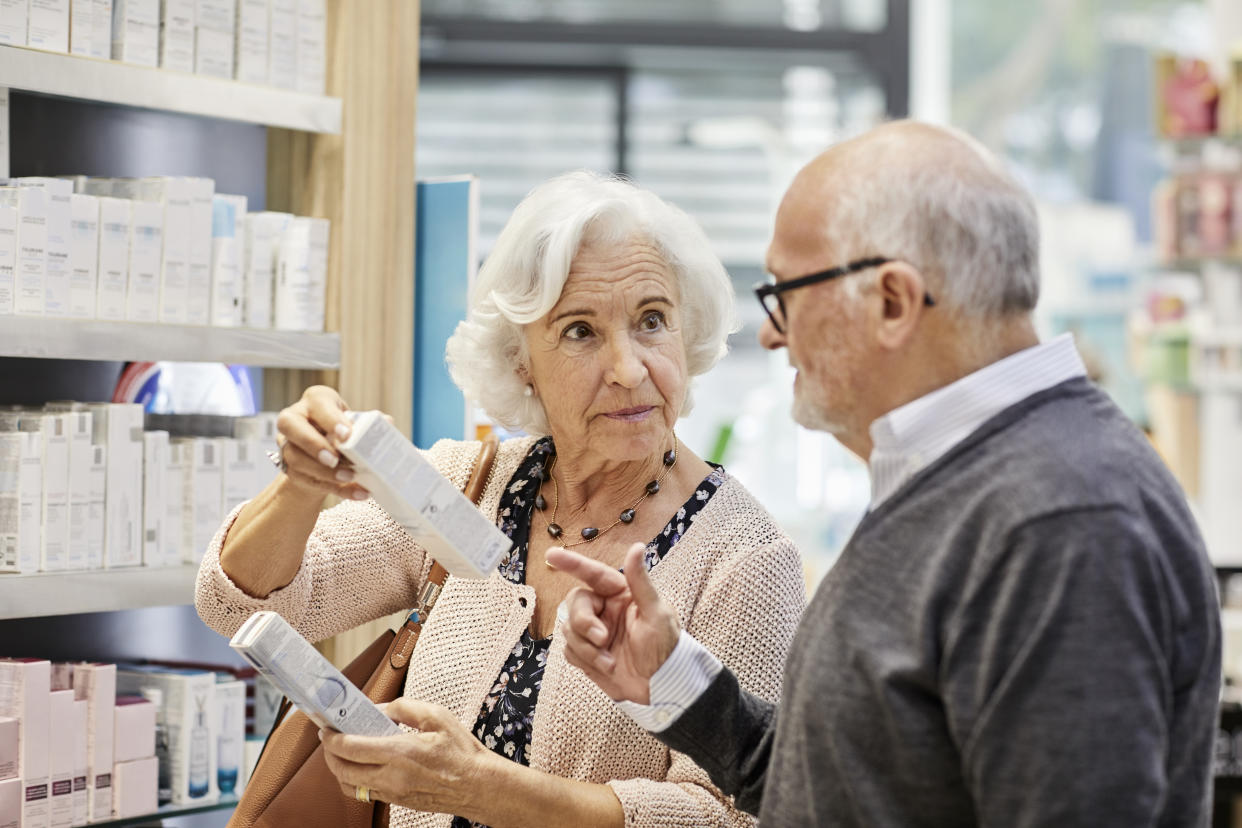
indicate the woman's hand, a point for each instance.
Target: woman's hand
{"x":442,"y":768}
{"x":310,"y":431}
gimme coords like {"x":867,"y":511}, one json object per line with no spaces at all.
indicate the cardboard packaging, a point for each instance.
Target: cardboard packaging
{"x":263,"y":233}
{"x":250,"y":65}
{"x":21,"y":493}
{"x":136,"y":32}
{"x":145,"y":261}
{"x":13,"y":25}
{"x":83,"y":255}
{"x":11,"y":803}
{"x":240,"y":471}
{"x":213,"y":53}
{"x":61,"y":741}
{"x":301,"y":277}
{"x":227,"y":227}
{"x":54,"y":552}
{"x":202,"y":194}
{"x":101,"y":38}
{"x":216,"y":15}
{"x":230,"y":719}
{"x":25,"y":694}
{"x":81,"y":27}
{"x":96,"y":538}
{"x":177,"y":35}
{"x":32,"y":216}
{"x":115,"y":229}
{"x":8,"y":253}
{"x":47,"y":25}
{"x":179,"y":455}
{"x":56,"y":277}
{"x":9,"y":728}
{"x":312,"y":46}
{"x":188,"y":713}
{"x":81,"y":455}
{"x":154,"y":490}
{"x":173,"y":194}
{"x":203,"y":497}
{"x":282,"y":63}
{"x":261,"y":428}
{"x":95,"y":684}
{"x":136,"y":788}
{"x":134,"y":729}
{"x":118,"y":427}
{"x":81,"y":795}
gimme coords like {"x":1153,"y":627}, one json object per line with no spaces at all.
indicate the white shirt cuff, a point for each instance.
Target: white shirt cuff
{"x":679,"y":682}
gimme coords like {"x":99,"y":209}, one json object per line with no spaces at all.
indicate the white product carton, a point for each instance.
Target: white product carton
{"x":202,"y":194}
{"x":25,"y":694}
{"x":83,"y":255}
{"x":226,"y":236}
{"x":115,"y":229}
{"x":98,"y":186}
{"x":188,"y":715}
{"x":96,"y":685}
{"x":241,"y":459}
{"x":177,"y":35}
{"x":173,"y":194}
{"x":230,"y":719}
{"x":21,"y":499}
{"x":136,"y":31}
{"x":213,"y":53}
{"x":57,"y":273}
{"x":426,"y":504}
{"x":118,"y":426}
{"x":263,"y":233}
{"x":301,"y":275}
{"x":47,"y":26}
{"x":250,"y":65}
{"x":202,"y":497}
{"x":179,"y":454}
{"x":145,"y":253}
{"x":9,"y":747}
{"x":60,"y":747}
{"x":81,"y":795}
{"x":101,"y":38}
{"x":312,"y":46}
{"x":95,"y":536}
{"x":13,"y":23}
{"x":11,"y":803}
{"x":282,"y":59}
{"x":81,"y":27}
{"x":134,"y":726}
{"x":81,"y":455}
{"x":54,"y":551}
{"x":137,"y":788}
{"x":8,"y":252}
{"x":217,"y":15}
{"x":260,"y":428}
{"x":32,"y":211}
{"x":154,"y":473}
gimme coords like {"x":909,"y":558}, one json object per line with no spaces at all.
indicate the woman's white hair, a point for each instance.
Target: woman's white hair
{"x":526,"y":271}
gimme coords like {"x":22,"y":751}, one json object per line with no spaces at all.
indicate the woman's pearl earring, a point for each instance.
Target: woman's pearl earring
{"x":528,"y":391}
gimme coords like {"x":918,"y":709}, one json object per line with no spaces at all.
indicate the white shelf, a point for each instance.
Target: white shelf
{"x":94,"y":339}
{"x":110,"y":81}
{"x":66,"y":593}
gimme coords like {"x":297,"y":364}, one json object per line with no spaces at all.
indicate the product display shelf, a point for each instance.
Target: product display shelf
{"x":110,"y":81}
{"x":106,"y":590}
{"x":169,"y":812}
{"x":94,"y":339}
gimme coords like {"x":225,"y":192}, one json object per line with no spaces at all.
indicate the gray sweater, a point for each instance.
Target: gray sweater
{"x":1025,"y":634}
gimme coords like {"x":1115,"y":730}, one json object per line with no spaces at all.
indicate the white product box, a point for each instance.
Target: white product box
{"x":230,"y":719}
{"x":312,"y":46}
{"x":202,"y":497}
{"x":240,"y":471}
{"x":263,"y":232}
{"x":217,"y":15}
{"x":56,"y":277}
{"x":173,"y":194}
{"x":54,"y":551}
{"x":81,"y":796}
{"x":62,"y":675}
{"x":118,"y":427}
{"x":13,"y":23}
{"x":83,"y":255}
{"x":177,"y":35}
{"x":301,"y":275}
{"x":134,"y":726}
{"x":282,"y":44}
{"x":174,"y":496}
{"x":32,"y":211}
{"x":438,"y":516}
{"x":47,"y":26}
{"x":188,"y":715}
{"x":250,"y":65}
{"x":309,"y":680}
{"x":115,"y":229}
{"x":136,"y":31}
{"x":11,"y":803}
{"x":81,"y":454}
{"x":21,"y":500}
{"x":145,"y":265}
{"x":202,"y":194}
{"x":227,"y":228}
{"x":4,"y":130}
{"x":9,"y":728}
{"x":137,"y":788}
{"x":95,"y":535}
{"x":61,"y":740}
{"x":81,"y":27}
{"x":101,"y":38}
{"x":154,"y":473}
{"x":25,"y":694}
{"x":8,"y":251}
{"x":97,"y":186}
{"x":213,"y":53}
{"x":260,"y":428}
{"x":96,"y":685}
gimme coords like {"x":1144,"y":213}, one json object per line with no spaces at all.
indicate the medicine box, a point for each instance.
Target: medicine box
{"x":177,"y":35}
{"x":56,"y":277}
{"x":32,"y":217}
{"x":11,"y":791}
{"x":13,"y":25}
{"x":101,"y":38}
{"x":179,"y":454}
{"x":188,"y":715}
{"x":96,"y":539}
{"x":96,"y":685}
{"x":83,"y":255}
{"x":312,"y":46}
{"x":227,"y":229}
{"x":202,"y":194}
{"x":263,"y":233}
{"x":250,"y":65}
{"x":301,"y":276}
{"x":54,"y":553}
{"x":134,"y":726}
{"x":25,"y":694}
{"x":136,"y":790}
{"x":282,"y":64}
{"x":81,"y":455}
{"x":213,"y":53}
{"x":155,"y":448}
{"x":118,"y":427}
{"x":8,"y":747}
{"x":203,"y":497}
{"x":230,"y":720}
{"x":21,"y":493}
{"x":240,"y":471}
{"x":81,"y":27}
{"x":47,"y":25}
{"x":81,"y":795}
{"x":173,"y":194}
{"x":115,"y":220}
{"x":136,"y":31}
{"x":61,"y":739}
{"x":145,"y":261}
{"x":8,"y":252}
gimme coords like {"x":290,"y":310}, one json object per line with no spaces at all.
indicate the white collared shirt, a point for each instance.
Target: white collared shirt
{"x":905,"y":441}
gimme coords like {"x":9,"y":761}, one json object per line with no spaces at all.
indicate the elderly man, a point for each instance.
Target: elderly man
{"x":1023,"y":630}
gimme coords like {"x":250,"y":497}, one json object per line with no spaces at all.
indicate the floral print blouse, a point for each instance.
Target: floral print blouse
{"x":504,"y":723}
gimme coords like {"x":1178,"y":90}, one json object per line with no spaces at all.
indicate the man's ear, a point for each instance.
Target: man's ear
{"x":902,"y":290}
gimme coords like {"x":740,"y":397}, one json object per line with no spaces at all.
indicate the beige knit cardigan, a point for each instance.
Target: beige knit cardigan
{"x":734,"y":578}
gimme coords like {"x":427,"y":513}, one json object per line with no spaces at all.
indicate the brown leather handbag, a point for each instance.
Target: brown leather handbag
{"x":291,"y":784}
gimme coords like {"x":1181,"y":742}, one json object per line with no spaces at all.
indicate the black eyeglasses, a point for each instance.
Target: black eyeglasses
{"x":769,"y":294}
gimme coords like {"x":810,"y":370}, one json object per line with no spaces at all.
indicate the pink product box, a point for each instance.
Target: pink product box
{"x":61,"y":739}
{"x":135,"y":731}
{"x":134,"y":790}
{"x":8,"y":749}
{"x":96,"y":685}
{"x":11,"y":803}
{"x":25,"y":695}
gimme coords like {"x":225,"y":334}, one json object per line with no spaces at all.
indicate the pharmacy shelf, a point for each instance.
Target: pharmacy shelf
{"x":94,"y":339}
{"x":109,"y":81}
{"x":69,"y":593}
{"x":168,"y":812}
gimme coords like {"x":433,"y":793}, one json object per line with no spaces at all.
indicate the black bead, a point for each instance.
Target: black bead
{"x":627,"y":516}
{"x":653,"y":487}
{"x":540,"y":503}
{"x":554,"y":530}
{"x":538,"y":473}
{"x":670,"y":457}
{"x":590,"y":533}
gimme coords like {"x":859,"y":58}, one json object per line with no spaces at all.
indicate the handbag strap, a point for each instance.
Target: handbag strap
{"x":407,"y":636}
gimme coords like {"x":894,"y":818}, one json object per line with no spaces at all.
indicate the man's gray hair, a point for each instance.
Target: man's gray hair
{"x":523,"y":277}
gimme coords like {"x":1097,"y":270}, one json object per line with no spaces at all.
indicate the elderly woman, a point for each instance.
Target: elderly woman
{"x":590,"y":316}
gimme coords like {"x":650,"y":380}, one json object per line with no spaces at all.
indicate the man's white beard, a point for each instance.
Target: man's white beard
{"x":807,"y":415}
